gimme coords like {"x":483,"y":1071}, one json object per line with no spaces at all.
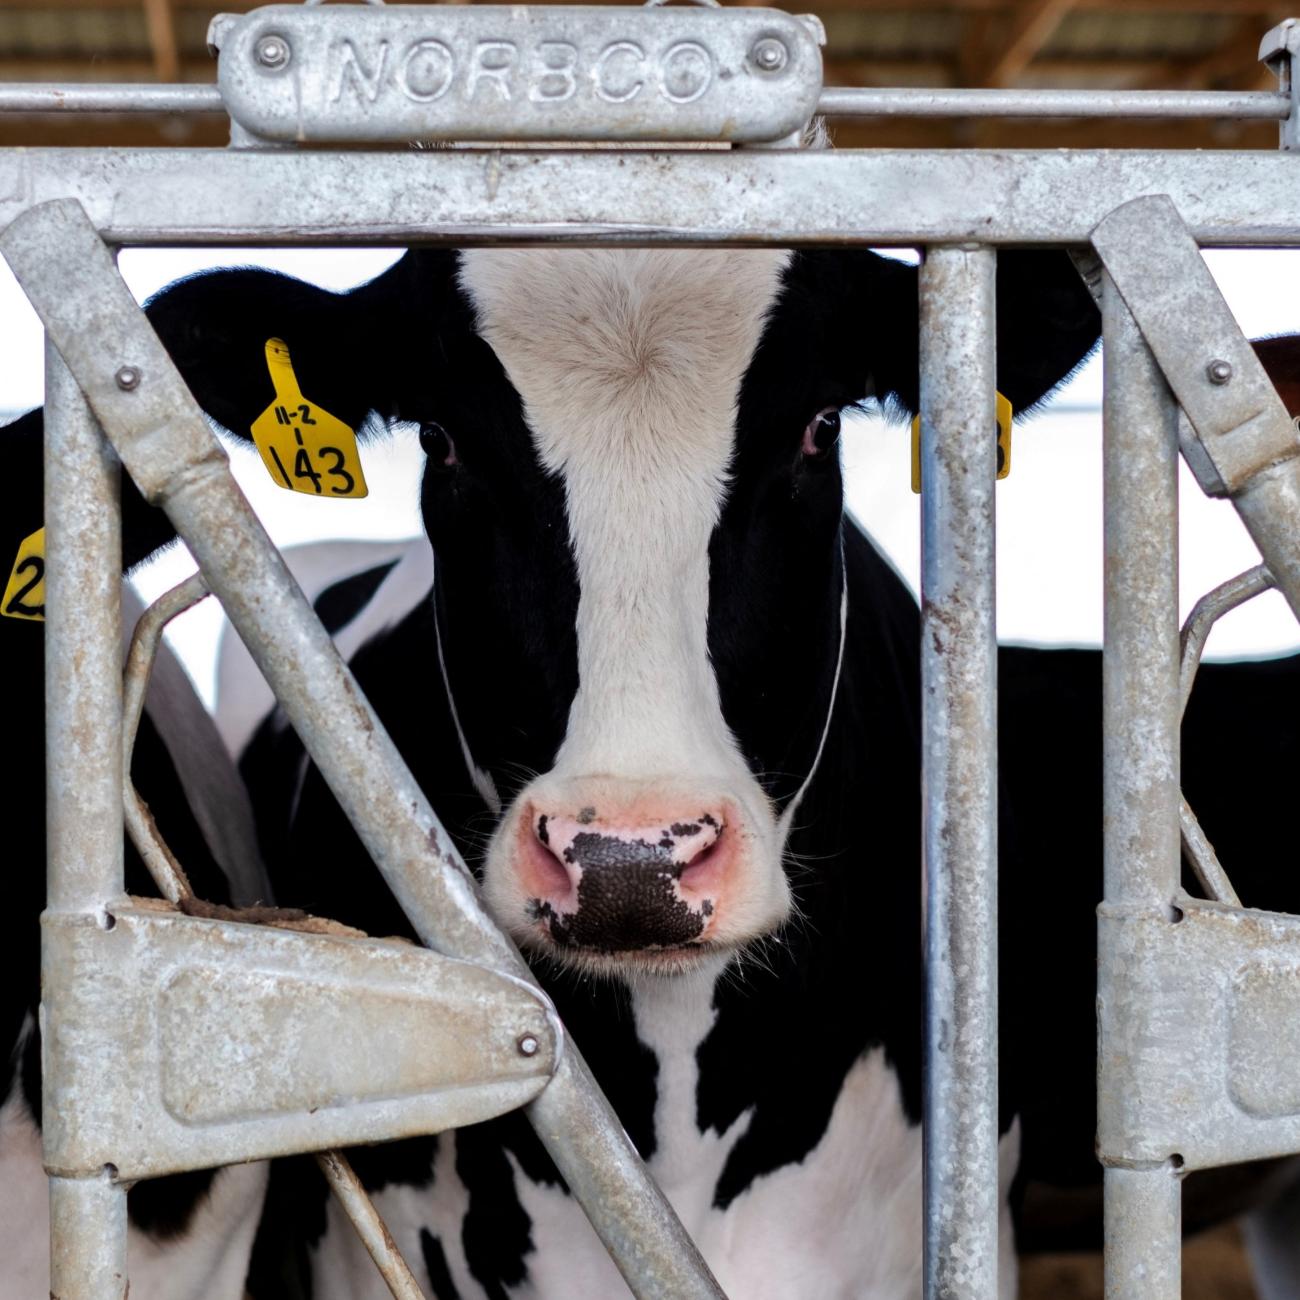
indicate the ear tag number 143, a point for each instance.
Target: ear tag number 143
{"x":303,"y":446}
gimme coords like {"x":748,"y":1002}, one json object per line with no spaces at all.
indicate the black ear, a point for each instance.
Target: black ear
{"x":868,"y":308}
{"x":372,"y":350}
{"x":379,"y":349}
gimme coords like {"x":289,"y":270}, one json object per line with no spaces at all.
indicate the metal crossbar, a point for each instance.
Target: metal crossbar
{"x":64,"y":209}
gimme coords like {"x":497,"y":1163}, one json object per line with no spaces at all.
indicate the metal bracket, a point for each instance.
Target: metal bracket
{"x":408,"y":73}
{"x":1200,"y":1023}
{"x":184,"y":1043}
{"x":1279,"y":50}
{"x":1246,"y":444}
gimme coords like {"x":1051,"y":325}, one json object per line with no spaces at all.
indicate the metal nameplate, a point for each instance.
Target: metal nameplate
{"x":289,"y":73}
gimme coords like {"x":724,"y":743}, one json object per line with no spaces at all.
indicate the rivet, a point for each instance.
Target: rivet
{"x":528,"y":1045}
{"x":272,"y":51}
{"x":128,"y":378}
{"x":1219,"y":371}
{"x":769,"y":54}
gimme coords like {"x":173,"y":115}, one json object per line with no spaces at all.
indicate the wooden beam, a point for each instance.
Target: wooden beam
{"x":162,"y":39}
{"x":1032,"y":26}
{"x":1233,"y":63}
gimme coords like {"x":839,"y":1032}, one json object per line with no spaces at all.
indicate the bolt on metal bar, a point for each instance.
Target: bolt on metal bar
{"x":73,"y":284}
{"x":345,"y":1184}
{"x":1141,"y":791}
{"x":83,"y":782}
{"x":900,"y":102}
{"x":959,"y":727}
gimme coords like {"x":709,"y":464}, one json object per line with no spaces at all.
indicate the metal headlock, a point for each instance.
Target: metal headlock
{"x":144,"y":1006}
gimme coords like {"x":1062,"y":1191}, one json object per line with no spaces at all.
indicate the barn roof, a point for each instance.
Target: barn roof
{"x":1103,"y":44}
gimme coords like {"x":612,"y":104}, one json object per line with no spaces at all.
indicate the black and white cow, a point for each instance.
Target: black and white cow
{"x":190,"y":1235}
{"x":650,"y":628}
{"x":665,"y":696}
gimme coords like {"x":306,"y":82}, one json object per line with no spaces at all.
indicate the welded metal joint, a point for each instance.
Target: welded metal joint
{"x":1248,"y":445}
{"x":1279,"y":49}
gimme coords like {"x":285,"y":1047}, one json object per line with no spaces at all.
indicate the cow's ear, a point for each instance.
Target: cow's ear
{"x":1047,"y":321}
{"x":371,"y":350}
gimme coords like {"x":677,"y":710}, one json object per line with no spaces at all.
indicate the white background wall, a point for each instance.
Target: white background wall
{"x":1049,"y":509}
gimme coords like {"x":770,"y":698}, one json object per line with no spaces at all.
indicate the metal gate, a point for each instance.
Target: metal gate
{"x":1200,"y":994}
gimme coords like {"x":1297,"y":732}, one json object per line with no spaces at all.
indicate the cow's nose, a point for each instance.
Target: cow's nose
{"x":619,"y":884}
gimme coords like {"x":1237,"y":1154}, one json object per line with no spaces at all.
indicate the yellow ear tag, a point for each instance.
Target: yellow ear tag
{"x":1004,"y":414}
{"x":305,"y":448}
{"x":25,"y":595}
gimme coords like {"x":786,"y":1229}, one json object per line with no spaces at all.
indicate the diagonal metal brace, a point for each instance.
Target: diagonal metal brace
{"x":1246,"y":445}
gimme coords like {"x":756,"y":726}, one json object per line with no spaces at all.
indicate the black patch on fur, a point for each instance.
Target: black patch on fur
{"x":338,"y":605}
{"x":626,"y":898}
{"x":435,"y":1264}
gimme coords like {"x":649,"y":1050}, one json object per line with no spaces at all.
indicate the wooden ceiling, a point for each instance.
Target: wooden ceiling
{"x":1129,"y":44}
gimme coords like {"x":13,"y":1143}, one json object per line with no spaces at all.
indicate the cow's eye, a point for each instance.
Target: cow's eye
{"x":438,"y":446}
{"x":822,"y":433}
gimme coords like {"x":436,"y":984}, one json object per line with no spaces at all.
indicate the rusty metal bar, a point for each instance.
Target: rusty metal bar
{"x":83,"y":782}
{"x":1196,"y":630}
{"x":370,"y":1227}
{"x":1141,"y":789}
{"x":959,"y":685}
{"x":168,"y":874}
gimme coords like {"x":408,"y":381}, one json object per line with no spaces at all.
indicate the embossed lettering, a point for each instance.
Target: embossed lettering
{"x":425,"y":73}
{"x":616,"y":83}
{"x":686,"y":72}
{"x":493,"y":62}
{"x":351,"y":71}
{"x":552,"y":73}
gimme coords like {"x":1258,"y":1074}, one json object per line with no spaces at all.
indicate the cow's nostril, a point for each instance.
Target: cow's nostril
{"x":619,"y":883}
{"x":550,"y":877}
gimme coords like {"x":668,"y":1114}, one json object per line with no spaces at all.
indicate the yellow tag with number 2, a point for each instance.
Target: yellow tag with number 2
{"x":25,"y":593}
{"x":303,"y":446}
{"x":1004,"y":415}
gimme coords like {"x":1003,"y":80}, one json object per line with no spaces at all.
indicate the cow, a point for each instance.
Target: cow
{"x":190,"y":1235}
{"x":665,"y":697}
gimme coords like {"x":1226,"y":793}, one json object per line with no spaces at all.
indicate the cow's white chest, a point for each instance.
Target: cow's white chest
{"x":844,"y":1222}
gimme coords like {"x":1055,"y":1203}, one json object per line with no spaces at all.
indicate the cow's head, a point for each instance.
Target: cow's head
{"x":634,"y":498}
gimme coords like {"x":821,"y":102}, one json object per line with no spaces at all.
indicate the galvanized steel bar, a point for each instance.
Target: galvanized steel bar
{"x":72,"y":282}
{"x":109,"y":97}
{"x":183,"y":98}
{"x":83,"y":775}
{"x":777,"y":197}
{"x":1141,"y":709}
{"x":959,"y":727}
{"x":370,"y":1227}
{"x":1250,"y":445}
{"x":907,"y":102}
{"x":1143,"y":1230}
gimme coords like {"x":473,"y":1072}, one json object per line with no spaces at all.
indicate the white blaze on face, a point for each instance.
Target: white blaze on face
{"x":629,"y":364}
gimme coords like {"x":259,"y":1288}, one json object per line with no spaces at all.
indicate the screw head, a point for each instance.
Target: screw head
{"x":528,"y":1045}
{"x":128,"y":378}
{"x":272,"y":52}
{"x":769,"y":54}
{"x":1218,"y":371}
